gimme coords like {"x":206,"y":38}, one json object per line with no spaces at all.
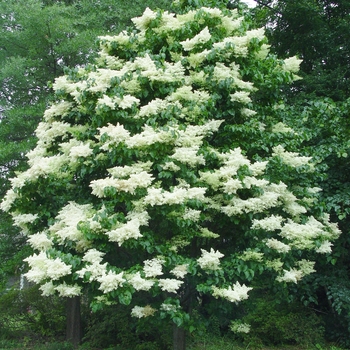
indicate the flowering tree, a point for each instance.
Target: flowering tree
{"x":163,"y":169}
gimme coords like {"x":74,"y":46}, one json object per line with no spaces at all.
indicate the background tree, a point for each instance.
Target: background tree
{"x":318,"y":32}
{"x":163,"y":169}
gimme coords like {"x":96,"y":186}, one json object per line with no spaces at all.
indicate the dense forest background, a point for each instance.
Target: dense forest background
{"x":40,"y":38}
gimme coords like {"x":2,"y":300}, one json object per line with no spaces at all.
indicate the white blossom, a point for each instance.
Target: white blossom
{"x":47,"y":289}
{"x":110,"y":281}
{"x":252,"y":255}
{"x":67,"y":290}
{"x":169,"y":284}
{"x":57,"y":268}
{"x":180,"y":270}
{"x":231,"y":24}
{"x":207,"y":233}
{"x":258,"y":168}
{"x":237,"y":293}
{"x":139,"y":311}
{"x":93,"y":256}
{"x":290,"y":158}
{"x":106,"y":101}
{"x":116,"y":134}
{"x":128,"y":101}
{"x":210,"y":260}
{"x":302,"y":235}
{"x":292,"y":64}
{"x":196,"y":59}
{"x":291,"y":275}
{"x":94,"y":271}
{"x":58,"y":109}
{"x":21,"y":220}
{"x":81,"y":150}
{"x":191,"y":214}
{"x":168,"y":307}
{"x":169,"y":23}
{"x":281,"y":247}
{"x":41,"y":267}
{"x":142,"y":22}
{"x":201,"y":38}
{"x":157,"y":196}
{"x":306,"y":266}
{"x":186,"y":93}
{"x":67,"y":220}
{"x":325,"y":247}
{"x":143,"y":179}
{"x":241,"y":96}
{"x":270,"y":223}
{"x":47,"y":132}
{"x":153,"y":267}
{"x":239,"y":327}
{"x":247,"y":112}
{"x":267,"y":200}
{"x":129,"y":230}
{"x":188,"y":155}
{"x":40,"y":241}
{"x":140,"y":283}
{"x":282,"y":128}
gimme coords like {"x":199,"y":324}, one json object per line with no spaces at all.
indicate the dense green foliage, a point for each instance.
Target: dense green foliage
{"x":318,"y":31}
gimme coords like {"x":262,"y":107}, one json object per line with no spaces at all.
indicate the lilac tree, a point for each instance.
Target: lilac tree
{"x":164,"y":170}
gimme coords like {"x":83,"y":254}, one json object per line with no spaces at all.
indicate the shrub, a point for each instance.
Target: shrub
{"x":276,"y":324}
{"x":25,"y":313}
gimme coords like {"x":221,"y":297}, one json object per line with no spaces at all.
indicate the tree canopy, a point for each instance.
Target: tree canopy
{"x":165,"y":170}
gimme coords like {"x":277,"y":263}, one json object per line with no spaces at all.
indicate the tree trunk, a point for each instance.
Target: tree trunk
{"x":179,"y":338}
{"x":73,"y":331}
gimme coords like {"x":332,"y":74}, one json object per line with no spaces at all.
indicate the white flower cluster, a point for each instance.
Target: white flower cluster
{"x":21,"y":220}
{"x":170,"y":285}
{"x":139,"y":311}
{"x":294,"y":275}
{"x":201,"y":38}
{"x":270,"y":223}
{"x":142,"y":179}
{"x":302,"y":235}
{"x":109,"y":280}
{"x":239,"y":327}
{"x":279,"y":246}
{"x":292,"y":159}
{"x":130,"y":229}
{"x":66,"y":226}
{"x":180,"y":270}
{"x":292,"y":64}
{"x":158,"y":196}
{"x":43,"y":268}
{"x":64,"y":289}
{"x":93,"y":269}
{"x":140,"y":283}
{"x":282,"y":128}
{"x":40,"y":241}
{"x":210,"y":260}
{"x":233,"y":294}
{"x":153,"y":267}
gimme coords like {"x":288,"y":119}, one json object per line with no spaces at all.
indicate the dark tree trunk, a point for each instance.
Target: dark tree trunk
{"x":73,"y":331}
{"x":179,"y":338}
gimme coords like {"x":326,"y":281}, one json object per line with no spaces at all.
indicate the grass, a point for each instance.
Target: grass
{"x":203,"y":343}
